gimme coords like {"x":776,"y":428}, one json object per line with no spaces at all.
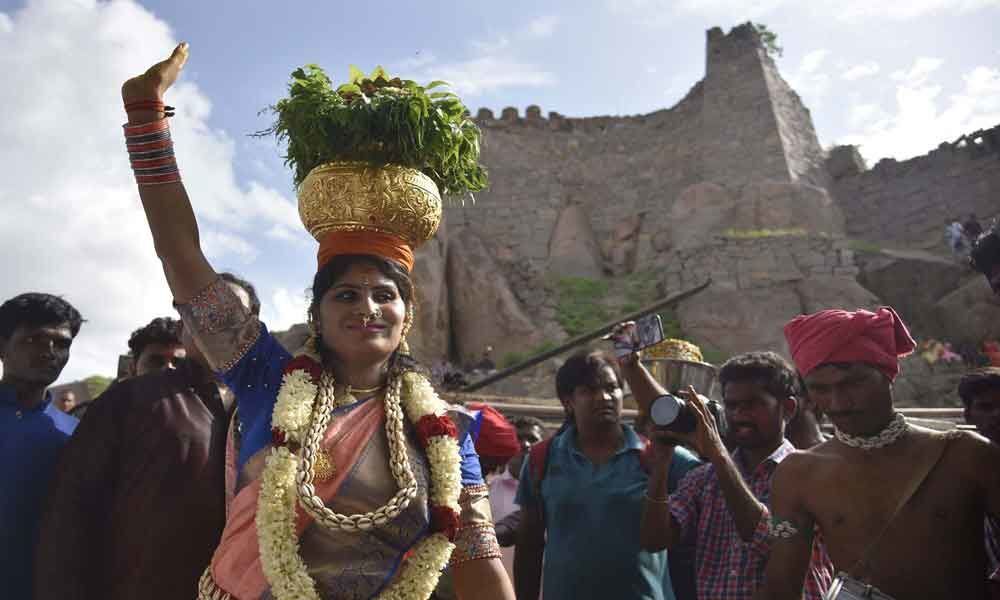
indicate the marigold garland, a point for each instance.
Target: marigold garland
{"x":418,"y":575}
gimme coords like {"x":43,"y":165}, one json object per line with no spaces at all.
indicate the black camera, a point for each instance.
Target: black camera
{"x":673,"y":413}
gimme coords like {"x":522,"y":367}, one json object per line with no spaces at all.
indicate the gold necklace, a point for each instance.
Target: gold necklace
{"x":350,"y":398}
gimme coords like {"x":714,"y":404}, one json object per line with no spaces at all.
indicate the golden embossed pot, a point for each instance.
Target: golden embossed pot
{"x":359,"y":196}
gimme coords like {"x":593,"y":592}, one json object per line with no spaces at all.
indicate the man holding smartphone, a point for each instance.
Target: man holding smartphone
{"x":723,"y":505}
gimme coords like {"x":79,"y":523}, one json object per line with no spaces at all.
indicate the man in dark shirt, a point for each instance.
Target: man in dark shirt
{"x":139,"y":503}
{"x":156,"y":347}
{"x":36,"y":332}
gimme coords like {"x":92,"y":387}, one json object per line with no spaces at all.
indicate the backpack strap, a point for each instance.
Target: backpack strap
{"x":538,"y":462}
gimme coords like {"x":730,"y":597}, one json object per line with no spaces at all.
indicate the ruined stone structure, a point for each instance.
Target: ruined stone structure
{"x":731,"y":183}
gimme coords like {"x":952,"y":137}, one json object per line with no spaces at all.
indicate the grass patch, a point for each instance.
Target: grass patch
{"x":864,"y":246}
{"x":580,"y":304}
{"x":752,"y":234}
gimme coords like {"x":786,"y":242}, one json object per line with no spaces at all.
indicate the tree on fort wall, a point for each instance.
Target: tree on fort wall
{"x":769,"y":39}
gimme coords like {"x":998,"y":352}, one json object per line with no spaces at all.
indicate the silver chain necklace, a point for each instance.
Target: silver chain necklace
{"x":896,"y":429}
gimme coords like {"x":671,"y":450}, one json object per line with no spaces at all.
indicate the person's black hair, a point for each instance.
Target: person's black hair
{"x":35,"y":309}
{"x":768,"y":369}
{"x":584,"y":368}
{"x":525,"y":421}
{"x":247,"y":287}
{"x":976,"y":382}
{"x":337,"y":266}
{"x":985,"y":253}
{"x":161,"y":330}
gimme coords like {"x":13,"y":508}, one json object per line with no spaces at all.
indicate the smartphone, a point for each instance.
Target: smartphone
{"x":645,"y":332}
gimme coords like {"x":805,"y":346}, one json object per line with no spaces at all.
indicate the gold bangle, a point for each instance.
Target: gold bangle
{"x":656,"y":500}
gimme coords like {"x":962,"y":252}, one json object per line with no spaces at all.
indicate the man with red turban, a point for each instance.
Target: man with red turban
{"x":899,"y":507}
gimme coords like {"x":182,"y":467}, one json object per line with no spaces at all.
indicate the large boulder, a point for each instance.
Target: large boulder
{"x":573,"y":248}
{"x":701,"y":211}
{"x":484,"y":311}
{"x":429,"y":338}
{"x":781,"y":205}
{"x":731,"y":320}
{"x":913,"y":282}
{"x":970,"y":314}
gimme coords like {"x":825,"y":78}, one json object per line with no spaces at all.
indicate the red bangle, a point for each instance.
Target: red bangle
{"x":151,"y":163}
{"x":174,"y":177}
{"x":150,"y":146}
{"x":144,"y":128}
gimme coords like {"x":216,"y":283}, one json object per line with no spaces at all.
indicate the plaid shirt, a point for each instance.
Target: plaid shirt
{"x":727,"y":568}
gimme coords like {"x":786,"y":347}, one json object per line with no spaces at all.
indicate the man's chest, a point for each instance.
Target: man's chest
{"x":856,"y":503}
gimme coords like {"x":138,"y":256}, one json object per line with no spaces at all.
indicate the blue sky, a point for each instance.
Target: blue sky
{"x":895,"y":77}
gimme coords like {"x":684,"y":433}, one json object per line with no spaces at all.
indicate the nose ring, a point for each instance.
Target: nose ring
{"x":370,"y":317}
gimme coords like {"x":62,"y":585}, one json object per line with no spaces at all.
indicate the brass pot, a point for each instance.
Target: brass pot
{"x":360,"y":196}
{"x":676,"y":375}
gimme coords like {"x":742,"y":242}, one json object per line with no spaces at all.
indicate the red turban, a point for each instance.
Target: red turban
{"x":839,"y":336}
{"x":497,"y":437}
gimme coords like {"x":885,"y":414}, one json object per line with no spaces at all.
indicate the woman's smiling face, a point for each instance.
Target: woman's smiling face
{"x":361,"y":316}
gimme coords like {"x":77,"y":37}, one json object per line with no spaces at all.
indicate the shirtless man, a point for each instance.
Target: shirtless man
{"x":848,"y":487}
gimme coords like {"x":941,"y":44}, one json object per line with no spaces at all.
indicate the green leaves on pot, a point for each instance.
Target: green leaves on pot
{"x":379,"y":119}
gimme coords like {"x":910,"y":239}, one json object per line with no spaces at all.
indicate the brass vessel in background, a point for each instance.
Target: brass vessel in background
{"x":360,"y":196}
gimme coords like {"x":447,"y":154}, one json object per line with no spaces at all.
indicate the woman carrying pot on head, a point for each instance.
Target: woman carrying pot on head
{"x":352,"y":478}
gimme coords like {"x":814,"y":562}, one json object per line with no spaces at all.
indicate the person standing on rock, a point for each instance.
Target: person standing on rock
{"x":985,"y":256}
{"x":900,"y":508}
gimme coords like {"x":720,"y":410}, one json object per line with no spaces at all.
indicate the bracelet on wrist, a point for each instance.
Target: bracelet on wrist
{"x":656,"y":500}
{"x":151,"y":153}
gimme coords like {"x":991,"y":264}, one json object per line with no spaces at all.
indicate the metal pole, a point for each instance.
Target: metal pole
{"x":586,"y":337}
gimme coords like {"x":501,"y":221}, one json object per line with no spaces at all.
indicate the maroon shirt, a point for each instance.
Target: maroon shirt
{"x":138,"y":500}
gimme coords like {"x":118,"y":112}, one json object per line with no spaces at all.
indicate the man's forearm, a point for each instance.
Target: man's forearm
{"x":644,"y":386}
{"x":528,"y":571}
{"x":657,"y":529}
{"x":740,"y":501}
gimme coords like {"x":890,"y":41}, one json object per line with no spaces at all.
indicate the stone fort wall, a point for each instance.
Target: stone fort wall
{"x":908,"y":203}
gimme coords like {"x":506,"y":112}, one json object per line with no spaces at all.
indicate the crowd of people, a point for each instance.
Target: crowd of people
{"x":225,"y":466}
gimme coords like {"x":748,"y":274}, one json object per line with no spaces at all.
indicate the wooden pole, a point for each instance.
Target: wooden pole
{"x":584,"y":338}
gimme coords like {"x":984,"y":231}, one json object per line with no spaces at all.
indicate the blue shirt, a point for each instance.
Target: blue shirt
{"x":30,"y":442}
{"x":255,"y":380}
{"x":592,"y":517}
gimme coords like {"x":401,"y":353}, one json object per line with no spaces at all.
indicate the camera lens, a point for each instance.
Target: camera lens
{"x":673,"y":413}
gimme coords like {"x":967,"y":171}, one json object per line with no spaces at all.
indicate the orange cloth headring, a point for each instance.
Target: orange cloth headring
{"x":337,"y":243}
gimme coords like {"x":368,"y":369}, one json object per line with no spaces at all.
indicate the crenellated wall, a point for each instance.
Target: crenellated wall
{"x":907,"y":204}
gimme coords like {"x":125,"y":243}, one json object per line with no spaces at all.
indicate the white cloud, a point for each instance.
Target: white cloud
{"x":918,"y":73}
{"x":922,"y":116}
{"x":809,"y":79}
{"x":488,"y":73}
{"x":662,"y":12}
{"x":286,"y":308}
{"x":73,"y":224}
{"x":813,"y":60}
{"x":900,"y":10}
{"x":860,"y":71}
{"x":543,"y":27}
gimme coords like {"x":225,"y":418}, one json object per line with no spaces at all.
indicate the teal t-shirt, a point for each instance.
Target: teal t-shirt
{"x":592,"y":517}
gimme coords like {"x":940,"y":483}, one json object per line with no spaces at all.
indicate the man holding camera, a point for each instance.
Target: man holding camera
{"x":582,"y":497}
{"x":723,"y":505}
{"x":900,"y":507}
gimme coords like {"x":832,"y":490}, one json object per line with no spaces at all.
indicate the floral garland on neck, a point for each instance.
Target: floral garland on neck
{"x":305,"y":402}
